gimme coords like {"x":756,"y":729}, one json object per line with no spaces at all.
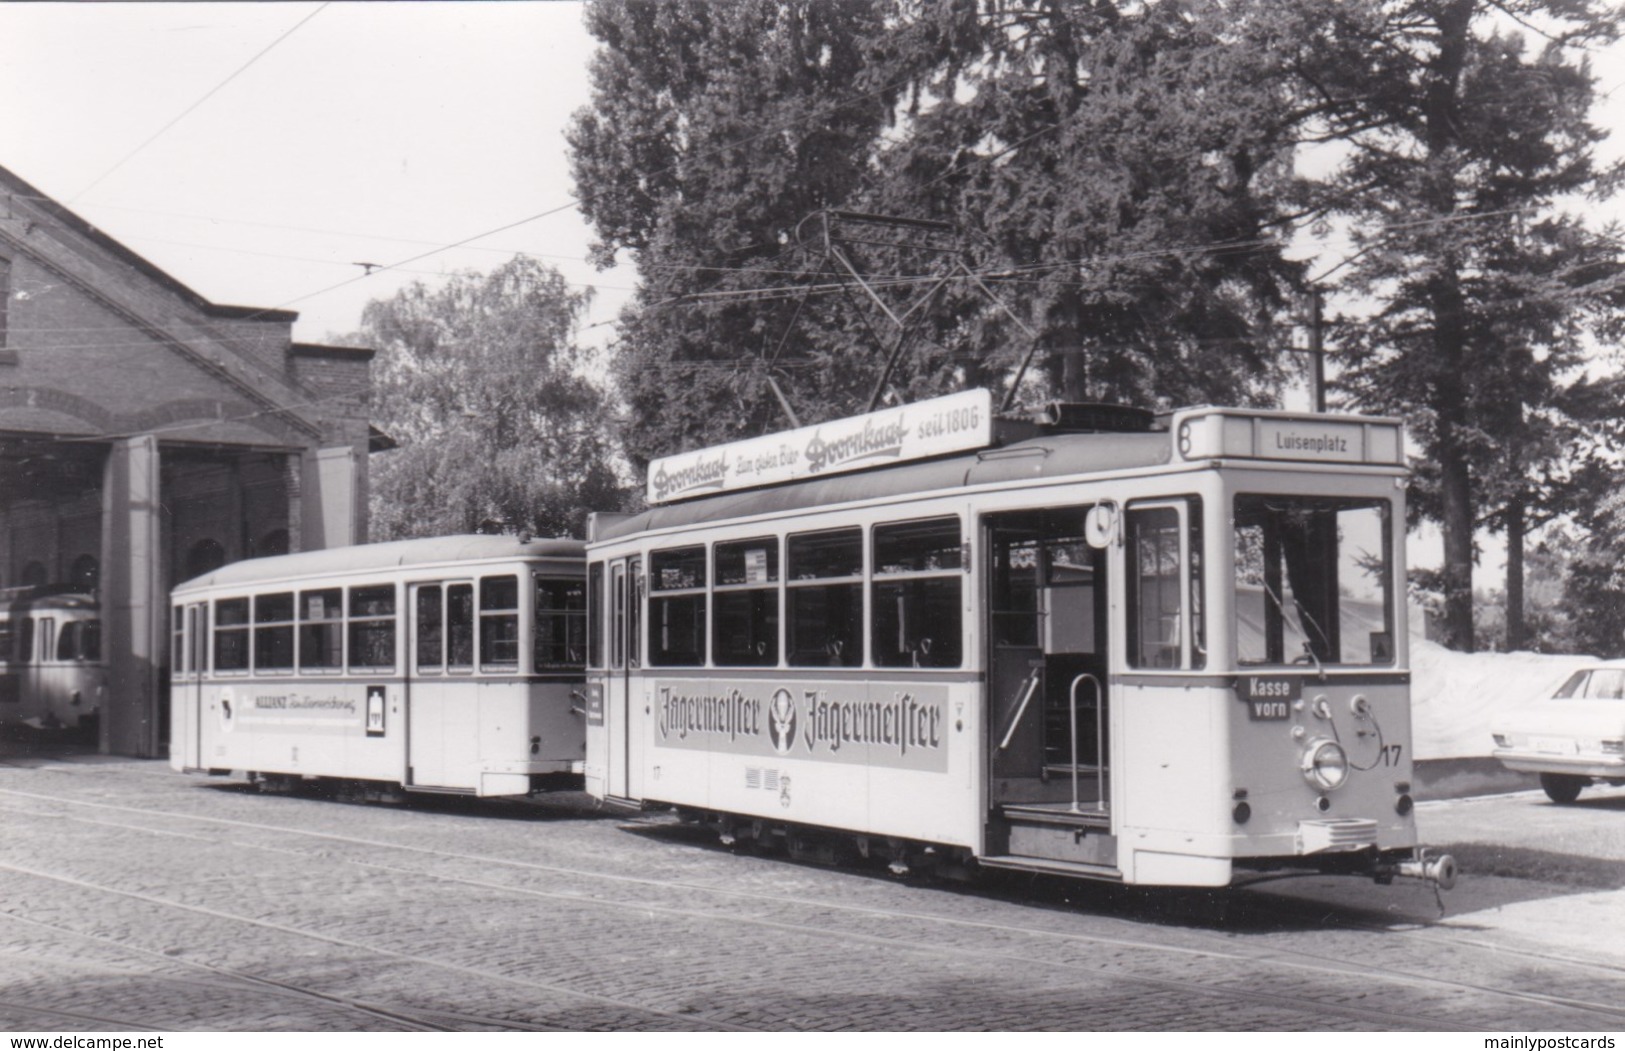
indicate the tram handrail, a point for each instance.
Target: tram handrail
{"x":1100,"y":758}
{"x":1021,"y":708}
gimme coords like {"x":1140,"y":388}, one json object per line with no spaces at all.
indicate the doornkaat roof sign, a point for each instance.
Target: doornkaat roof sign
{"x":910,"y":432}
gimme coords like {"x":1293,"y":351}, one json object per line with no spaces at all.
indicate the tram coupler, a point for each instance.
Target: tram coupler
{"x":1439,"y":870}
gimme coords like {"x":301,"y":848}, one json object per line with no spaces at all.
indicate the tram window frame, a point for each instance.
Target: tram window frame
{"x":229,"y":638}
{"x":461,"y":618}
{"x":816,"y":590}
{"x":47,"y":640}
{"x":273,"y":632}
{"x":430,"y":598}
{"x":916,"y":583}
{"x":595,"y":615}
{"x":745,"y":603}
{"x":80,"y":641}
{"x":1316,"y":592}
{"x":558,"y":630}
{"x":371,"y":630}
{"x":499,"y":633}
{"x":321,"y":631}
{"x":677,"y":606}
{"x":1184,"y":620}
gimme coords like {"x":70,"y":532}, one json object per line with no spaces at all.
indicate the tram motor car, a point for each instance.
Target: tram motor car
{"x":1093,"y":641}
{"x":53,"y":675}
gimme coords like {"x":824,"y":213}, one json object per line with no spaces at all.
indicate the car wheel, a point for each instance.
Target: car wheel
{"x":1562,"y":788}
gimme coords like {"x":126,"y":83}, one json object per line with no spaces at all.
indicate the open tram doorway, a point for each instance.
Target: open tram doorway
{"x":1047,"y":635}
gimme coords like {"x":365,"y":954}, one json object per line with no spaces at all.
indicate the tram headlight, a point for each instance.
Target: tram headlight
{"x":1325,"y":764}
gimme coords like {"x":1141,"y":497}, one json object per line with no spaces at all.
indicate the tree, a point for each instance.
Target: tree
{"x":1462,"y":146}
{"x":480,"y":382}
{"x":716,"y":128}
{"x":1115,"y":170}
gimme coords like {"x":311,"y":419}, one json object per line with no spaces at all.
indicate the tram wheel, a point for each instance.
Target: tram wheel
{"x":1561,"y":788}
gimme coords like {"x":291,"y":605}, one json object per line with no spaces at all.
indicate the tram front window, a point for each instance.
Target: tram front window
{"x":1314,"y":581}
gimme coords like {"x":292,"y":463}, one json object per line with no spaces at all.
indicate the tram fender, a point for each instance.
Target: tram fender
{"x":1177,"y":870}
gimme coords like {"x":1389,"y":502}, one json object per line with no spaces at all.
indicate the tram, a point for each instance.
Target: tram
{"x":450,"y":664}
{"x":52,"y":672}
{"x":1151,"y":649}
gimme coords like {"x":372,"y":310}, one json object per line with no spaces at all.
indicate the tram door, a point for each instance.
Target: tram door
{"x":625,"y":648}
{"x":186,"y":678}
{"x":439,"y":685}
{"x":1047,"y":632}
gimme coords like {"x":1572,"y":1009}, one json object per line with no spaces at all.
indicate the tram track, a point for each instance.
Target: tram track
{"x":1276,"y":959}
{"x":78,"y":1017}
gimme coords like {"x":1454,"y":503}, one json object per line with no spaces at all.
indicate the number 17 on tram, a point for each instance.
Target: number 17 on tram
{"x":1162,"y":650}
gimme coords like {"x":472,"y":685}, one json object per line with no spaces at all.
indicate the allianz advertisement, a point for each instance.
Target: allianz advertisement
{"x":897,"y":726}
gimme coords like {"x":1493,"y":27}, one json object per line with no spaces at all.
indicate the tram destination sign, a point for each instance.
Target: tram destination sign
{"x":955,"y":423}
{"x":1270,"y":435}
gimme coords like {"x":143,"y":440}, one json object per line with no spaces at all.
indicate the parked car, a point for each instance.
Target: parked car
{"x":1572,"y":739}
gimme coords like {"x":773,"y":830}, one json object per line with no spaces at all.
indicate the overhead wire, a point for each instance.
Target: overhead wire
{"x":149,"y":140}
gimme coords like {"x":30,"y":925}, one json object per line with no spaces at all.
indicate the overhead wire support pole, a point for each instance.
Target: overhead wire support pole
{"x":1317,"y":352}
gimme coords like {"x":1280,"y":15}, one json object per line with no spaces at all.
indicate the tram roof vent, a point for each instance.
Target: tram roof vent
{"x":1094,"y":416}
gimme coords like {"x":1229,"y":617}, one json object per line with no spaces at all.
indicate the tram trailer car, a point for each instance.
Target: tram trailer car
{"x":52,"y":672}
{"x":449,"y":664}
{"x":1154,"y":650}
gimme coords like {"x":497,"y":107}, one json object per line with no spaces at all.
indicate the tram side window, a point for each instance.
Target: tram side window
{"x":1165,"y":585}
{"x":321,"y":630}
{"x":916,"y":594}
{"x":595,"y":615}
{"x":460,"y":627}
{"x":824,"y":621}
{"x":273,"y":632}
{"x":372,"y":627}
{"x":745,"y":600}
{"x":431,"y":636}
{"x":677,"y":607}
{"x":231,"y":634}
{"x":560,"y":623}
{"x":25,"y":640}
{"x":499,"y":623}
{"x":177,"y":640}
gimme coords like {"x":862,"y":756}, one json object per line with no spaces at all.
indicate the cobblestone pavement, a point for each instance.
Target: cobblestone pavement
{"x":135,"y":898}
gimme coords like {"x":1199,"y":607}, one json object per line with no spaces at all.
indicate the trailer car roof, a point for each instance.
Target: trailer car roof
{"x":364,"y":557}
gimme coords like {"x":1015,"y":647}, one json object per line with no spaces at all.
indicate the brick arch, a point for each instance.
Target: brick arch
{"x":212,"y":411}
{"x":43,"y":403}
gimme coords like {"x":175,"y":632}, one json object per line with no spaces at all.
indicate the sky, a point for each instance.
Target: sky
{"x":259,"y":152}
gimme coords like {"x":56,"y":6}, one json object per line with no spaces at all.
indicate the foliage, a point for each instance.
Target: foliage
{"x":1463,"y":145}
{"x":1594,"y":587}
{"x":1112,"y":169}
{"x":479,"y":381}
{"x":715,"y":129}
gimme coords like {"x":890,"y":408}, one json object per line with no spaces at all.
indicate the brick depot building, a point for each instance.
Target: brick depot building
{"x":148,"y":435}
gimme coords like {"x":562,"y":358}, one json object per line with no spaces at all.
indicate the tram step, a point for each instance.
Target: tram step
{"x":1058,"y":814}
{"x":1049,"y":865}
